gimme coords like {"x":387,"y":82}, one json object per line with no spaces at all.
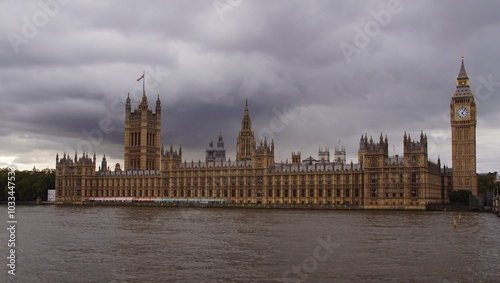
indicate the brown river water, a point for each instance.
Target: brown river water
{"x":157,"y":244}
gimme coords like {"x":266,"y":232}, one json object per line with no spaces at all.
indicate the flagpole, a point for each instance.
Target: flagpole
{"x":143,"y":83}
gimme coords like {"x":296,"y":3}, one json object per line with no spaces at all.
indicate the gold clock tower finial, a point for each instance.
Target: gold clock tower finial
{"x":463,"y":80}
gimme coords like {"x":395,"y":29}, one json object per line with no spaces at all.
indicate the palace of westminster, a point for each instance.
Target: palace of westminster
{"x":376,"y":181}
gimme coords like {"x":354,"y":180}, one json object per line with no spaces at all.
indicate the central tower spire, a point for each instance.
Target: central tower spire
{"x":245,"y":144}
{"x":246,"y":123}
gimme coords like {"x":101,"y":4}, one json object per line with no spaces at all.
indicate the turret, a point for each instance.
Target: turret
{"x":104,"y":163}
{"x":415,"y":146}
{"x":171,"y":158}
{"x":415,"y":152}
{"x":263,"y":156}
{"x":374,"y":154}
{"x":143,"y":105}
{"x":340,"y":155}
{"x":128,"y":107}
{"x":324,"y":154}
{"x":216,"y":154}
{"x":296,"y":158}
{"x":220,"y":142}
{"x":362,"y":145}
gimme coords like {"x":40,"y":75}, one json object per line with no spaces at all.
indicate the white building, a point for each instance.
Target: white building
{"x":51,"y":195}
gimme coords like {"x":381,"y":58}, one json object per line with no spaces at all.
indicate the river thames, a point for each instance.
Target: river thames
{"x":155,"y":244}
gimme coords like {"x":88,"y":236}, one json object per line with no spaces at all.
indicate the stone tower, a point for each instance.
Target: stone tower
{"x":374,"y":154}
{"x":340,"y":155}
{"x":324,"y":154}
{"x":245,"y":144}
{"x":415,"y":151}
{"x":463,"y":117}
{"x":216,"y":154}
{"x":142,"y":136}
{"x":170,"y":158}
{"x":263,"y":156}
{"x":296,"y":158}
{"x":361,"y":151}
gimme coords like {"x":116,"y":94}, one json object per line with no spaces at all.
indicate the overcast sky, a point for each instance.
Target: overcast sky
{"x":316,"y":73}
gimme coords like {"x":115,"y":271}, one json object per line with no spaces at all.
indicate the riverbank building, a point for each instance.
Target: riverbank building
{"x":377,"y":180}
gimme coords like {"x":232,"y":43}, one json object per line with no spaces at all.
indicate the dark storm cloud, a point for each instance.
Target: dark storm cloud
{"x":73,"y":74}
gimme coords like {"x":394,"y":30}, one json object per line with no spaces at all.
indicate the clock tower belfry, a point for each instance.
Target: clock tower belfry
{"x":463,"y":117}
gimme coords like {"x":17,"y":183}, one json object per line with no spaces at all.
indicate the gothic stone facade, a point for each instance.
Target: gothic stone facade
{"x":376,"y":181}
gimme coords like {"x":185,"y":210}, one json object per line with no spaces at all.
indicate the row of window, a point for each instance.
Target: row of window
{"x":204,"y":172}
{"x":218,"y":193}
{"x":219,"y":180}
{"x":375,"y":193}
{"x":413,"y":161}
{"x":393,"y":177}
{"x":347,"y":193}
{"x":240,"y":180}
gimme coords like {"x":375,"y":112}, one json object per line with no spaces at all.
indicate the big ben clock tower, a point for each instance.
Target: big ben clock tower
{"x":463,"y":117}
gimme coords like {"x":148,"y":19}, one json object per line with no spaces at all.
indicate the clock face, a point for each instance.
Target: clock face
{"x":462,"y":112}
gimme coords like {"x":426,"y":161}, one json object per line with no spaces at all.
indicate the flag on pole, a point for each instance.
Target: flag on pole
{"x":143,"y":83}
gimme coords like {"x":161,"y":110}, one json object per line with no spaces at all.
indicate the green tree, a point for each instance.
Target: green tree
{"x":461,"y":196}
{"x":486,"y":183}
{"x":28,"y":185}
{"x":3,"y":184}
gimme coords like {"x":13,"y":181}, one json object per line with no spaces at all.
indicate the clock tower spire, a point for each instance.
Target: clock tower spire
{"x":463,"y":118}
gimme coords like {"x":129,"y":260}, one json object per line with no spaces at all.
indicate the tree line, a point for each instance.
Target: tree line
{"x":28,"y":185}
